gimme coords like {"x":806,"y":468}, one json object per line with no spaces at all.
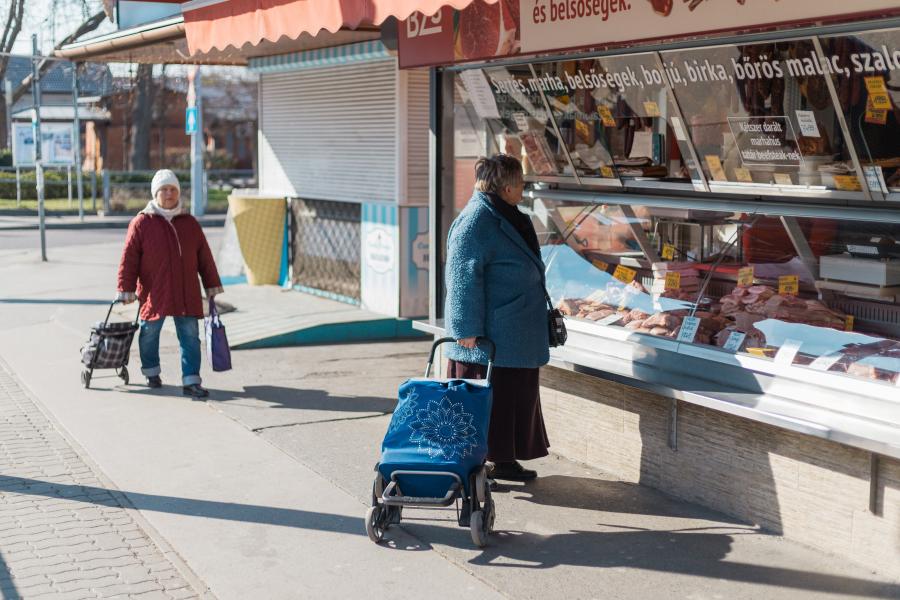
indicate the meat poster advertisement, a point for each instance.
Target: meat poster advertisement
{"x":502,"y":28}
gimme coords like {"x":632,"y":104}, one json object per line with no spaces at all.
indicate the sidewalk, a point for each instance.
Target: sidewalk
{"x":262,"y":489}
{"x":27,"y":222}
{"x":64,"y":530}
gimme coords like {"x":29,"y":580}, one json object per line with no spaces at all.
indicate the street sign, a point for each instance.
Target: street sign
{"x":190,"y":120}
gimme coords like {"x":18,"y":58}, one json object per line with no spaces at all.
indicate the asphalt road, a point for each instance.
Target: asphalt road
{"x":66,"y":238}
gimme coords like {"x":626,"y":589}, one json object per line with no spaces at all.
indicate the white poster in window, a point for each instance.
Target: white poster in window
{"x":807,"y":121}
{"x":480,"y":93}
{"x":642,"y":146}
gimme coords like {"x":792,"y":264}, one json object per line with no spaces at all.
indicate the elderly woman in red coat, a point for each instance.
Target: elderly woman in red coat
{"x":165,"y":251}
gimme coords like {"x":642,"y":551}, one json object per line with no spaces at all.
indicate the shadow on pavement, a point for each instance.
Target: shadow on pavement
{"x":695,"y":552}
{"x":210,"y":509}
{"x":8,"y":589}
{"x":53,"y":301}
{"x":307,"y":399}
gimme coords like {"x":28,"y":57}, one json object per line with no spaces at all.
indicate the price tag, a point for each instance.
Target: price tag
{"x":878,"y":95}
{"x":760,"y":352}
{"x":743,"y":175}
{"x":848,"y":183}
{"x":848,"y":323}
{"x":787,"y":352}
{"x":607,"y":172}
{"x":745,"y":276}
{"x":652,"y":108}
{"x":875,"y":178}
{"x":673,"y":280}
{"x":688,"y":330}
{"x":807,"y":121}
{"x":876,"y":116}
{"x":678,"y":126}
{"x":826,"y":361}
{"x":600,"y":264}
{"x":606,"y":116}
{"x":613,"y":318}
{"x":624,"y":274}
{"x":668,"y":252}
{"x":521,"y":121}
{"x":582,"y":129}
{"x":783,"y":179}
{"x":788,"y":285}
{"x":715,"y":167}
{"x":734,"y":341}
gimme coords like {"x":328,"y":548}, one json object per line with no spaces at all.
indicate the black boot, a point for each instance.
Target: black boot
{"x":195,"y":390}
{"x":512,"y":471}
{"x":154,"y":381}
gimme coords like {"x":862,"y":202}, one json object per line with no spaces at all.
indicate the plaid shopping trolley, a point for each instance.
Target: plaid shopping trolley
{"x":108,"y":347}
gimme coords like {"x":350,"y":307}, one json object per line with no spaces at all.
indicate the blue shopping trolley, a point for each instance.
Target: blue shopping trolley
{"x":434,"y":451}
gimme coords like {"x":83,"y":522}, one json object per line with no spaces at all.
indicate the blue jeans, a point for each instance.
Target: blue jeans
{"x":188,"y":338}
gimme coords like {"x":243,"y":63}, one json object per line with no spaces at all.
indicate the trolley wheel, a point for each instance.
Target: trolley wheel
{"x":481,"y":485}
{"x":85,"y":379}
{"x":374,"y":526}
{"x":123,"y":373}
{"x":476,"y":528}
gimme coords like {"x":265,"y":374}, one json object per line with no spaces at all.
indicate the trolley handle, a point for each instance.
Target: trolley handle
{"x":492,"y":352}
{"x":137,"y":317}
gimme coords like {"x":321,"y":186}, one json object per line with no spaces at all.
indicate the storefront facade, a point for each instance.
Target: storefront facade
{"x":344,"y":135}
{"x":719,"y":212}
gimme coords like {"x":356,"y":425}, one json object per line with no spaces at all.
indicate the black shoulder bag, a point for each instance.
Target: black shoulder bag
{"x":556,"y":323}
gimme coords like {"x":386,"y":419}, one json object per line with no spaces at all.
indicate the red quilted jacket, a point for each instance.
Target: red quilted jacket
{"x":161,"y":261}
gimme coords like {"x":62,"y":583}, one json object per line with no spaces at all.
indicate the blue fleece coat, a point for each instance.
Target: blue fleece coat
{"x":495,"y":288}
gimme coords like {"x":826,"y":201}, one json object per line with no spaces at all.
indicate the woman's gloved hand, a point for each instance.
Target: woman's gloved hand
{"x":125,"y":297}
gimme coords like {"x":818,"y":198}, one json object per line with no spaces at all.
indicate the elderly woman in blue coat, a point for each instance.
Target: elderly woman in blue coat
{"x":495,"y":288}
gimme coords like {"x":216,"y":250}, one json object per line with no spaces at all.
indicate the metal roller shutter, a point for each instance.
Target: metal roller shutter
{"x":416,"y":122}
{"x":330,"y":133}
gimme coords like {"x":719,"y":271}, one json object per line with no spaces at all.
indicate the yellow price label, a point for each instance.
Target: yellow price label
{"x":606,"y":116}
{"x":783,"y":179}
{"x":875,"y":85}
{"x":600,"y":264}
{"x":668,"y":252}
{"x":848,"y":323}
{"x":673,"y":280}
{"x":880,"y":101}
{"x":745,"y":276}
{"x":715,"y":167}
{"x":743,"y":175}
{"x":760,"y":352}
{"x":607,"y":172}
{"x":788,"y":285}
{"x":848,"y":183}
{"x":652,"y":108}
{"x":624,"y":274}
{"x":876,"y":116}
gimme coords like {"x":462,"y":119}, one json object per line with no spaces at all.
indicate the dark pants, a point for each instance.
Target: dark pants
{"x":517,"y":429}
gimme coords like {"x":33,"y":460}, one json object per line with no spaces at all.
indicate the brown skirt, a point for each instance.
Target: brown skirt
{"x":517,"y":429}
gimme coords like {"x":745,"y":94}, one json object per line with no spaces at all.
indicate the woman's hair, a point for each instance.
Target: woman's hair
{"x":494,"y":173}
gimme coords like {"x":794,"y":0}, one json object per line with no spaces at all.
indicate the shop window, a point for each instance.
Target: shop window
{"x":762,"y":114}
{"x":818,"y":294}
{"x":868,"y":89}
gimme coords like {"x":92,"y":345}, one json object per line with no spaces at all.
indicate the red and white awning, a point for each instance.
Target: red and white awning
{"x":218,"y":24}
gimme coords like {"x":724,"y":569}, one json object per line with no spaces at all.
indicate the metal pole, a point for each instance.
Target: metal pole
{"x":7,"y":91}
{"x":107,"y":192}
{"x":69,"y":182}
{"x":36,"y":125}
{"x":198,"y":200}
{"x":76,"y":140}
{"x":18,"y":188}
{"x":94,"y":187}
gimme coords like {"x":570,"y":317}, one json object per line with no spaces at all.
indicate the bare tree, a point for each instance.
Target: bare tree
{"x":11,"y":31}
{"x":141,"y":118}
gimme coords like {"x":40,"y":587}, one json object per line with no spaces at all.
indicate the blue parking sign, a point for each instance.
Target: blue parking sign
{"x":190,"y":120}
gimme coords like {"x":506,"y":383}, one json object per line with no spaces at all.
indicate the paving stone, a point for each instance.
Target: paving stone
{"x":63,"y":535}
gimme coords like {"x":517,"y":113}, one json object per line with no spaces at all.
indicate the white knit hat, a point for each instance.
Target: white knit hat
{"x":161,"y":178}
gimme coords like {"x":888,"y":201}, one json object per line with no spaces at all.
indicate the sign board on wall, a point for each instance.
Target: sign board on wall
{"x":508,"y":27}
{"x":56,"y":143}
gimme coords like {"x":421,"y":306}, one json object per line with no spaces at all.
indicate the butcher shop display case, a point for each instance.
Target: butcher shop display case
{"x":720,"y":224}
